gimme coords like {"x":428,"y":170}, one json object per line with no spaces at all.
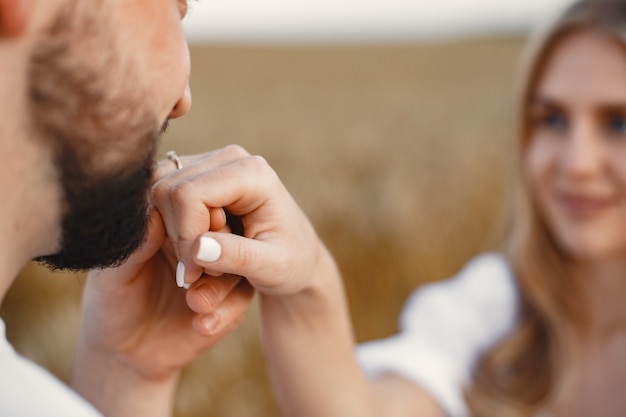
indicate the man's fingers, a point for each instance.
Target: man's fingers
{"x":228,"y":315}
{"x":207,"y":293}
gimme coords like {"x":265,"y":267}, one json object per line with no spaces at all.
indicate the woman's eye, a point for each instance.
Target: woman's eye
{"x":616,"y":124}
{"x":553,"y":120}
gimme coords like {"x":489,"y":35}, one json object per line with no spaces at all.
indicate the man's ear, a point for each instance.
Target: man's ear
{"x":13,"y":17}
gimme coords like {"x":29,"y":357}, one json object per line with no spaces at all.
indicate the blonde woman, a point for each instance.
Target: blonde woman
{"x":537,"y":330}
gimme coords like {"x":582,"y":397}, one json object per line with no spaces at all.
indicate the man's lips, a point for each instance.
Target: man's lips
{"x":583,"y":206}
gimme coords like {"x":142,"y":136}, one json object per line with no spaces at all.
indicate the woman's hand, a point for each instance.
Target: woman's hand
{"x":306,"y":330}
{"x":279,"y":250}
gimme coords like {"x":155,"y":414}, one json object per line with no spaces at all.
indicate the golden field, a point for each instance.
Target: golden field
{"x":398,"y":153}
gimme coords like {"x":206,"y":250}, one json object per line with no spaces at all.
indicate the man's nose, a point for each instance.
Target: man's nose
{"x":182,"y":105}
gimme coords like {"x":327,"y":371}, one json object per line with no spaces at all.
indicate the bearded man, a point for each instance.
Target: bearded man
{"x":87,"y":87}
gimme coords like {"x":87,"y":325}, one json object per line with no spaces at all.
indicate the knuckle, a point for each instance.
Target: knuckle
{"x":198,"y":302}
{"x":264,"y":167}
{"x":182,"y":191}
{"x":259,"y":167}
{"x":210,"y":295}
{"x":258,"y":162}
{"x":160,"y":171}
{"x":236,"y":151}
{"x":160,"y":191}
{"x":165,"y":192}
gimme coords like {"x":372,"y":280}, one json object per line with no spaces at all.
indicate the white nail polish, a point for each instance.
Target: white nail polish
{"x":209,"y":250}
{"x":180,"y":274}
{"x":186,"y":286}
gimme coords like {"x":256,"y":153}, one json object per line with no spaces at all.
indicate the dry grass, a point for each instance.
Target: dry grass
{"x":398,"y":154}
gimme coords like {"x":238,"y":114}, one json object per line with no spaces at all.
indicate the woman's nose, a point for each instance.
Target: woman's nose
{"x":582,"y":156}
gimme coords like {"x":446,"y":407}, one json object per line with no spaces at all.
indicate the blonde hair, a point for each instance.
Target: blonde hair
{"x":517,"y":376}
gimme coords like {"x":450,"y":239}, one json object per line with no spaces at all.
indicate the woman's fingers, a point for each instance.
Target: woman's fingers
{"x":194,"y":164}
{"x":276,"y":251}
{"x":177,"y":195}
{"x":270,"y":266}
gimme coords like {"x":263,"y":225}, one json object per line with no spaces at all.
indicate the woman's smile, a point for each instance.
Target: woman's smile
{"x":584,"y":205}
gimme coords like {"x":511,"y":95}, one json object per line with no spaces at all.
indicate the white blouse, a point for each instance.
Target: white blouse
{"x":445,"y":327}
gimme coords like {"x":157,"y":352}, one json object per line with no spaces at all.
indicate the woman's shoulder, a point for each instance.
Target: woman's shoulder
{"x":489,"y":268}
{"x":486,"y":284}
{"x":445,"y":327}
{"x":486,"y":276}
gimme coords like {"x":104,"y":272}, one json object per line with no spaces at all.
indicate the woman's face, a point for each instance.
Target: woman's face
{"x":576,"y":156}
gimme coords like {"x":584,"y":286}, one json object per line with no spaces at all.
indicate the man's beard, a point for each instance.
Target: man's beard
{"x":105,"y":219}
{"x":103,"y":140}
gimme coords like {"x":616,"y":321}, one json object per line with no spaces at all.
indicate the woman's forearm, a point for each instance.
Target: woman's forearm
{"x":310,"y":345}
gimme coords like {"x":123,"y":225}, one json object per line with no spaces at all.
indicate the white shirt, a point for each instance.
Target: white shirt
{"x":28,"y":390}
{"x":445,"y":327}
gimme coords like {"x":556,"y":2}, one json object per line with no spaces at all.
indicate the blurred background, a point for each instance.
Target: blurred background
{"x":392,"y":124}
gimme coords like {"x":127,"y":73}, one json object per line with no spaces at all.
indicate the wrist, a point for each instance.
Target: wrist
{"x":320,"y":299}
{"x":117,"y":389}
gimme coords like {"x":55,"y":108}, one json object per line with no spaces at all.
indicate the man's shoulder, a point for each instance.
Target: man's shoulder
{"x":27,"y":389}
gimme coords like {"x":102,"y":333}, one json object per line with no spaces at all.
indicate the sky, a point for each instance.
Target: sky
{"x":297,"y":21}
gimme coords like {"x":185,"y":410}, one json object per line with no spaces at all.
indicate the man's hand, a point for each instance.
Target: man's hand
{"x":138,"y":331}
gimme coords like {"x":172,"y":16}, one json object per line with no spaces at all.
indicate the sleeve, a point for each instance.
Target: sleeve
{"x":28,"y":390}
{"x":445,"y":326}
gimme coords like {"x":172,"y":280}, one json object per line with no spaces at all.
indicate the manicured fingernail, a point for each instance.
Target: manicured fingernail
{"x":210,"y":322}
{"x":209,"y":250}
{"x":180,"y":274}
{"x":186,"y":286}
